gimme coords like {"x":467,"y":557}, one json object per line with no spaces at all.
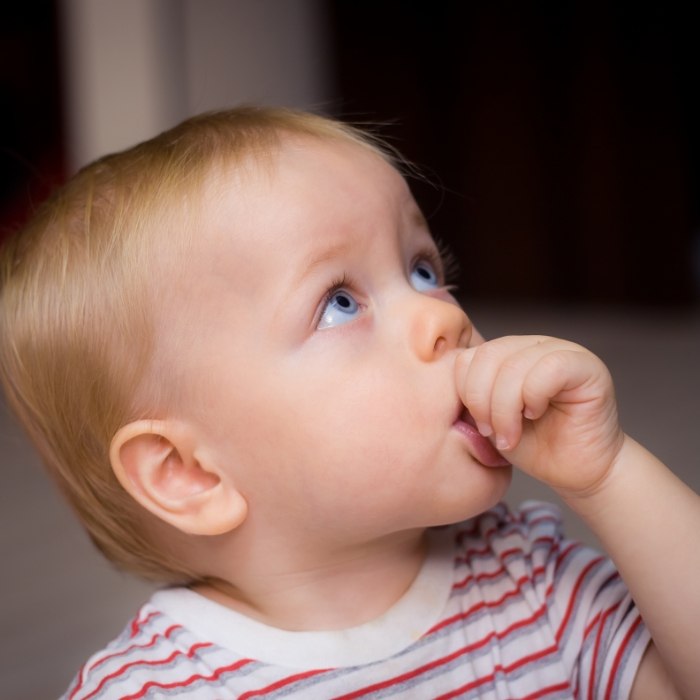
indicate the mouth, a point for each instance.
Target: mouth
{"x":464,"y":416}
{"x":480,"y":447}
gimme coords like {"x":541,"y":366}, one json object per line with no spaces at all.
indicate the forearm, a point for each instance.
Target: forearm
{"x":646,"y":518}
{"x":649,"y":523}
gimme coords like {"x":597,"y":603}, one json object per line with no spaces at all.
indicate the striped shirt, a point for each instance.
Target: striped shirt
{"x":504,"y":607}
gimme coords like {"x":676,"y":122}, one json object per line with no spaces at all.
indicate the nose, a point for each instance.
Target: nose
{"x":438,"y":326}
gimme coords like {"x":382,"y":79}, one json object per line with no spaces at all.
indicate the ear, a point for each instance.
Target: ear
{"x":162,"y":466}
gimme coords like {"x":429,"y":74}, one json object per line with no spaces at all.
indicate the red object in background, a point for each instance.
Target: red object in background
{"x":31,"y":126}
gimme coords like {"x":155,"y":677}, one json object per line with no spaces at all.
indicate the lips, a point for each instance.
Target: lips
{"x":479,"y":446}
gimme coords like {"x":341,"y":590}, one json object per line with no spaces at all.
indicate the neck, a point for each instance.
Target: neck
{"x":342,"y":589}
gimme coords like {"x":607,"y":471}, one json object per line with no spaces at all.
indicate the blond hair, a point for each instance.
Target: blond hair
{"x":76,"y":316}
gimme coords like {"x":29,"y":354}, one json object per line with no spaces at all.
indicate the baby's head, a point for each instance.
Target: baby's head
{"x":239,"y":328}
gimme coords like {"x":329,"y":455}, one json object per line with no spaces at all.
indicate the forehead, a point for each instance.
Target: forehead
{"x":266,"y":234}
{"x":312,"y":194}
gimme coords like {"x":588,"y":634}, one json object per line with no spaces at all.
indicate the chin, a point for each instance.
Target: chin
{"x":490,"y":495}
{"x":505,"y":477}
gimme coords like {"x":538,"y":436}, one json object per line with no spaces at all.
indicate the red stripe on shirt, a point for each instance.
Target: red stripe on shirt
{"x":596,"y":648}
{"x":477,"y":683}
{"x":487,"y":550}
{"x":618,"y":657}
{"x":574,"y":595}
{"x":129,"y":649}
{"x":281,"y":684}
{"x":565,"y":553}
{"x":122,"y":652}
{"x":480,"y":606}
{"x":548,"y":691}
{"x":519,"y":551}
{"x":188,"y":681}
{"x":505,"y":519}
{"x":591,"y":626}
{"x":491,"y":575}
{"x":487,"y":575}
{"x":455,"y":655}
{"x":594,"y":622}
{"x":137,"y":624}
{"x":144,"y":662}
{"x":511,"y":528}
{"x":534,"y":696}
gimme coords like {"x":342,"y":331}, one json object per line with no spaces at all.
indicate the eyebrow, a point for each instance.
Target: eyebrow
{"x":419,"y":220}
{"x":341,"y":247}
{"x":322,"y":256}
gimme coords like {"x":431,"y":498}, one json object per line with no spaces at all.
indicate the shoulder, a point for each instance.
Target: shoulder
{"x":522,"y":561}
{"x":512,"y":535}
{"x":151,"y":651}
{"x":525,"y":553}
{"x":530,"y":518}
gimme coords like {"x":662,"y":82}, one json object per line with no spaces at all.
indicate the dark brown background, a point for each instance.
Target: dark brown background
{"x":561,"y":137}
{"x":564,"y":134}
{"x":31,"y":144}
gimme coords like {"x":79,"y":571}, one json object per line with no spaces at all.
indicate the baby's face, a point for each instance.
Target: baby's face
{"x":322,"y":344}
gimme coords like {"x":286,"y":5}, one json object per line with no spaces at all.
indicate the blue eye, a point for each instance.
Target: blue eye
{"x":423,"y":276}
{"x":340,"y":308}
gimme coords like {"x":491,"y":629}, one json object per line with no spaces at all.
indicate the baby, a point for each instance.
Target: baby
{"x":236,"y":351}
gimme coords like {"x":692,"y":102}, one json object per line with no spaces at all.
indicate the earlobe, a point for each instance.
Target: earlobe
{"x":162,"y":466}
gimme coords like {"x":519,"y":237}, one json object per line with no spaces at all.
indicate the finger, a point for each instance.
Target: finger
{"x":474,"y":376}
{"x":560,"y":376}
{"x":509,"y":401}
{"x":477,"y":370}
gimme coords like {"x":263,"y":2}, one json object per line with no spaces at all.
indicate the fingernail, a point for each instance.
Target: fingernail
{"x":484,"y":428}
{"x":501,"y":442}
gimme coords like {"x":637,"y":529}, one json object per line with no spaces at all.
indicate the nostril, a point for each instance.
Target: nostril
{"x":439,"y":346}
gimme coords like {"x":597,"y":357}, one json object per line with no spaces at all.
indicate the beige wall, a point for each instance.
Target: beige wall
{"x":136,"y":67}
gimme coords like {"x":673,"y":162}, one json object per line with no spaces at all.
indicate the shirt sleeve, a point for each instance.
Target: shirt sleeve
{"x":596,"y":624}
{"x":151,"y":658}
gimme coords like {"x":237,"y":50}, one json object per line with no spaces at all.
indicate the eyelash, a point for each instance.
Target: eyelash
{"x":447,"y":263}
{"x":344,"y":282}
{"x":443,"y":261}
{"x":341,"y":283}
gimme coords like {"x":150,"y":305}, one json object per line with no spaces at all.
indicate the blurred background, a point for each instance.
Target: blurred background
{"x":562,"y":152}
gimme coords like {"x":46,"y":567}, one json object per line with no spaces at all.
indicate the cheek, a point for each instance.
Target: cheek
{"x":335,"y":424}
{"x":361,"y":417}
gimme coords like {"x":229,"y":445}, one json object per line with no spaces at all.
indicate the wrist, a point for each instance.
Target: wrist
{"x":634,"y":492}
{"x":610,"y":482}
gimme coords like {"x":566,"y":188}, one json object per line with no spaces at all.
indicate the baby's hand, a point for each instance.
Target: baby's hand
{"x":548,"y":405}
